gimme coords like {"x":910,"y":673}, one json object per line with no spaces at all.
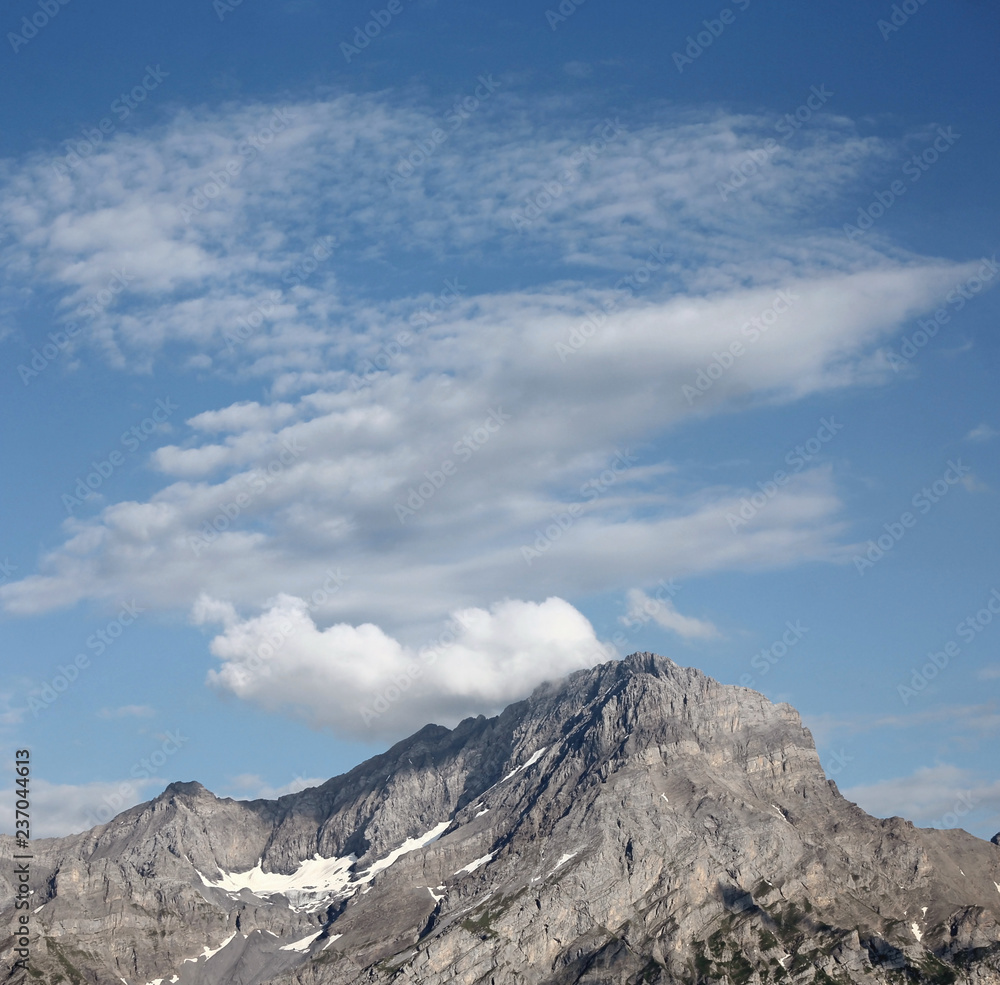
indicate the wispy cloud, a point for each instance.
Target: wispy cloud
{"x":641,"y":607}
{"x":250,"y":786}
{"x":943,"y":795}
{"x":982,"y":432}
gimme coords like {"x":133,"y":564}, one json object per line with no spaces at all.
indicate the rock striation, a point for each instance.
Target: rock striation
{"x":636,"y":822}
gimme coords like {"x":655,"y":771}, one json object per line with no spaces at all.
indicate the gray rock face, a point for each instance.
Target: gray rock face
{"x":636,"y":822}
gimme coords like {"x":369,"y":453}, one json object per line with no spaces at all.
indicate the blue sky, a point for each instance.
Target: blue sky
{"x":353,"y":386}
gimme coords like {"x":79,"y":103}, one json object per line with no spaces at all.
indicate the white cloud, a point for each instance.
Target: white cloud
{"x":59,"y":809}
{"x":982,"y":433}
{"x":346,"y":677}
{"x":250,"y":786}
{"x":935,"y":796}
{"x":966,"y":722}
{"x":503,"y":409}
{"x":642,"y":608}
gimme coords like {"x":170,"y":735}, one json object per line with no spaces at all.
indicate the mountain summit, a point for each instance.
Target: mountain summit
{"x":634,"y":822}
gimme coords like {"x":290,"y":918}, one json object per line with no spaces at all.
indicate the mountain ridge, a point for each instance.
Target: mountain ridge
{"x":615,"y":823}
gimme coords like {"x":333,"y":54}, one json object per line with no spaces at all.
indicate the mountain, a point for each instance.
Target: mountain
{"x":637,"y":822}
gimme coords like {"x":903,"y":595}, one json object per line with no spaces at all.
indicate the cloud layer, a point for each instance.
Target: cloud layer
{"x":427,"y":449}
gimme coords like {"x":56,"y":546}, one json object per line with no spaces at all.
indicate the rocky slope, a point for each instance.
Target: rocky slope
{"x":636,"y":822}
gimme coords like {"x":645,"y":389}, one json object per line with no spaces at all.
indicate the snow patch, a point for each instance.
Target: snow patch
{"x":411,"y":844}
{"x":565,"y":858}
{"x":37,"y":908}
{"x":665,"y":797}
{"x":317,"y":880}
{"x":472,"y":866}
{"x":923,"y":911}
{"x":333,"y":937}
{"x":915,"y":930}
{"x":480,"y":814}
{"x":302,"y":945}
{"x":210,"y":951}
{"x":997,"y":884}
{"x":535,"y":756}
{"x":434,"y":896}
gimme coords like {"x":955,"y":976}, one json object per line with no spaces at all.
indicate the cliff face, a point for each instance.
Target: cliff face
{"x":636,"y":822}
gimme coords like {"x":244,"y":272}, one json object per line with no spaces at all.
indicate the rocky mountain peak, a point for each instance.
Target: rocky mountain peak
{"x":190,"y":788}
{"x":634,"y":822}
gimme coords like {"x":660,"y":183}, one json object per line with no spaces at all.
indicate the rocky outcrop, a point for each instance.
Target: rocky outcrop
{"x":636,"y":822}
